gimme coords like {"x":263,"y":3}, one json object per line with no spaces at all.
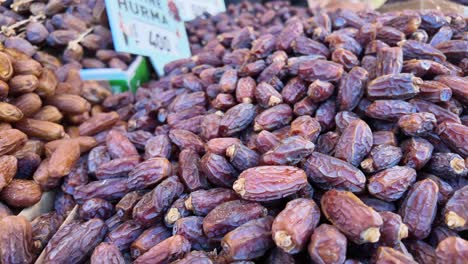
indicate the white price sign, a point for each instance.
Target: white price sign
{"x":190,"y":9}
{"x":152,"y":28}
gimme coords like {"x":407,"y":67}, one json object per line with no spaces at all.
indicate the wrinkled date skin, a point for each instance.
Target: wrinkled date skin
{"x":229,"y":215}
{"x":96,"y":208}
{"x":351,"y":216}
{"x":153,"y":204}
{"x":74,"y":242}
{"x":355,"y":142}
{"x":191,"y":227}
{"x":202,"y":202}
{"x":290,"y":151}
{"x":8,"y":169}
{"x":329,"y":172}
{"x":43,"y":228}
{"x":452,"y":250}
{"x":15,"y":240}
{"x":248,"y":241}
{"x":381,"y":157}
{"x":125,"y":206}
{"x":149,"y":173}
{"x":294,"y":225}
{"x":266,"y":183}
{"x":393,"y":229}
{"x":107,"y":253}
{"x":148,"y":239}
{"x":390,"y":184}
{"x":123,"y":235}
{"x":111,"y":189}
{"x":166,"y":251}
{"x":189,"y":170}
{"x":390,"y":255}
{"x":327,"y":245}
{"x":455,"y":212}
{"x":282,"y":115}
{"x":419,"y":208}
{"x":218,"y":170}
{"x":416,"y":152}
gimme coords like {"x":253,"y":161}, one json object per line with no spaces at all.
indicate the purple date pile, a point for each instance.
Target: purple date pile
{"x":289,"y":137}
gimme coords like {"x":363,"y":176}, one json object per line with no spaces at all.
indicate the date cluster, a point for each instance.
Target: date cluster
{"x":291,"y":136}
{"x":76,"y":32}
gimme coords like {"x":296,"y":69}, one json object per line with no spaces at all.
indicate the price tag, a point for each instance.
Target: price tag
{"x":152,"y":28}
{"x":190,"y":9}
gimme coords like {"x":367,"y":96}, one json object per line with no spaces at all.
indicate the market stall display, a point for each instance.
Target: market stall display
{"x":290,"y":136}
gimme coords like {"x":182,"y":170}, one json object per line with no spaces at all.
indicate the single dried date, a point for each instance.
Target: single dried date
{"x":294,"y":225}
{"x":394,"y":86}
{"x":15,"y":240}
{"x":381,"y":157}
{"x":329,"y":172}
{"x":447,"y":165}
{"x":218,"y":170}
{"x":166,"y":251}
{"x":393,"y":229}
{"x":355,"y":142}
{"x":455,"y":136}
{"x":229,"y":215}
{"x":248,"y":241}
{"x":149,"y":173}
{"x":454,"y":212}
{"x":351,"y":216}
{"x":419,"y":208}
{"x":390,"y":184}
{"x":291,"y":150}
{"x":74,"y":242}
{"x":452,"y":250}
{"x":96,"y":208}
{"x":189,"y":170}
{"x":201,"y":202}
{"x":107,"y":253}
{"x":241,"y":157}
{"x":416,"y":152}
{"x":111,"y":189}
{"x":389,"y":109}
{"x":327,"y":245}
{"x":417,"y":124}
{"x":237,"y":119}
{"x":266,"y":183}
{"x":148,"y":239}
{"x":352,"y":88}
{"x":123,"y":235}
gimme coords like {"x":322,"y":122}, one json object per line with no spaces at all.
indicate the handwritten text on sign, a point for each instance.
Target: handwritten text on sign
{"x":152,"y":28}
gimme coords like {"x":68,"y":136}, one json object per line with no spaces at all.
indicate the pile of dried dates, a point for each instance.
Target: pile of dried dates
{"x":76,"y":31}
{"x":291,"y":136}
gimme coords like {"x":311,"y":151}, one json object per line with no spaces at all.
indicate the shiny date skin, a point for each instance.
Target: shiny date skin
{"x":229,"y":215}
{"x":153,"y":204}
{"x":390,"y":184}
{"x":355,"y":142}
{"x":294,"y":225}
{"x":329,"y":172}
{"x":201,"y":202}
{"x":75,"y":241}
{"x":266,"y":183}
{"x":166,"y":251}
{"x":148,"y":239}
{"x":343,"y":208}
{"x":416,"y":215}
{"x":248,"y":241}
{"x":327,"y":245}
